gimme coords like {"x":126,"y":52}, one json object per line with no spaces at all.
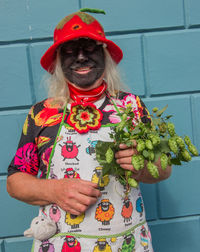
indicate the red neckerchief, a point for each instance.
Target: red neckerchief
{"x":86,"y":96}
{"x":84,"y":115}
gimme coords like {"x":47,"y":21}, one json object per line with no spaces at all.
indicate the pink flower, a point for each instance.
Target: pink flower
{"x":46,"y":155}
{"x":26,"y":159}
{"x":128,"y":99}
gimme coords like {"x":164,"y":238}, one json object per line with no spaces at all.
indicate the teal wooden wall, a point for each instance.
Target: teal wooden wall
{"x":161,"y":44}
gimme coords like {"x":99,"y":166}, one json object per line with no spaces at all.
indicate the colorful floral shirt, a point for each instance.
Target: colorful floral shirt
{"x":42,"y":124}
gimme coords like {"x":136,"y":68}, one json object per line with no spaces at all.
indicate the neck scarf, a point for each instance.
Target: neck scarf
{"x":84,"y":115}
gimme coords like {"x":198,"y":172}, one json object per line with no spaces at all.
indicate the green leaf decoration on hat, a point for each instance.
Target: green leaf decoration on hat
{"x":92,"y":10}
{"x":86,"y":18}
{"x":64,"y":21}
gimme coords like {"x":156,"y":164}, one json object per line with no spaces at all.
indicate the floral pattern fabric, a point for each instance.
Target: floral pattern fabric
{"x":42,"y":124}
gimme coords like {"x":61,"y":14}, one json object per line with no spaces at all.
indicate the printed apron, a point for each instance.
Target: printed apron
{"x":115,"y":223}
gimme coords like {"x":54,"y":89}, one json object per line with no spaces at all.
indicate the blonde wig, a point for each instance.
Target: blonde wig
{"x":58,"y":89}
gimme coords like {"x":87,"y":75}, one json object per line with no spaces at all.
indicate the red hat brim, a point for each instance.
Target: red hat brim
{"x":48,"y":59}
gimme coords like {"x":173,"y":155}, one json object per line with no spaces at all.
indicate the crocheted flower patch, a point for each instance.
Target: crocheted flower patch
{"x":84,"y":117}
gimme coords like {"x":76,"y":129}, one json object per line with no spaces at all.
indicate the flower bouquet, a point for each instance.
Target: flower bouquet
{"x":155,"y":139}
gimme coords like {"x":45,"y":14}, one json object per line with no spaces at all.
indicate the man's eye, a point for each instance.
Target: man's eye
{"x":90,"y":48}
{"x":68,"y":50}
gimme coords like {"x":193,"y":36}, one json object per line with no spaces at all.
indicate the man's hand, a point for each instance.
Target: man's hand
{"x":72,"y":195}
{"x":75,"y":195}
{"x":124,"y":159}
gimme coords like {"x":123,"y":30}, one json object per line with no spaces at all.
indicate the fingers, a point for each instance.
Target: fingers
{"x":124,"y":146}
{"x":89,"y":189}
{"x":124,"y":158}
{"x":79,"y":204}
{"x":76,"y":195}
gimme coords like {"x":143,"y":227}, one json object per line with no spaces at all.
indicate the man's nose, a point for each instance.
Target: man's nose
{"x":81,"y":57}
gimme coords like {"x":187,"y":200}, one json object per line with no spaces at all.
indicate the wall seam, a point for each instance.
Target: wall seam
{"x":186,"y":15}
{"x":80,"y":4}
{"x":3,"y":246}
{"x":145,"y":67}
{"x":30,"y":71}
{"x":192,"y":109}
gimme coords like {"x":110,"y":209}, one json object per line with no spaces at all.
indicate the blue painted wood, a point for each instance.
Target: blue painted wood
{"x":138,"y":14}
{"x":150,"y":200}
{"x":193,"y":10}
{"x":39,"y":74}
{"x":14,"y":79}
{"x":178,"y":235}
{"x":15,"y":216}
{"x":44,"y":17}
{"x":173,"y":61}
{"x":20,"y":244}
{"x":179,"y":195}
{"x":32,"y":19}
{"x":14,"y":20}
{"x":196,"y":119}
{"x":1,"y":243}
{"x":10,"y":131}
{"x":131,"y":65}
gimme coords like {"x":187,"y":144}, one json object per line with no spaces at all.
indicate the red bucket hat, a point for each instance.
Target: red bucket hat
{"x":77,"y":25}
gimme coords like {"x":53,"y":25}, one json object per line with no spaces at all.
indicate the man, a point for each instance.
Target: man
{"x":85,"y":88}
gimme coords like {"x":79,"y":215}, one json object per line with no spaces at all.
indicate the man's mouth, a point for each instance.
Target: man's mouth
{"x":83,"y":70}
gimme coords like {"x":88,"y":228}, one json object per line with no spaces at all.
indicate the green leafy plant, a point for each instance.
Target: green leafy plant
{"x":155,"y":139}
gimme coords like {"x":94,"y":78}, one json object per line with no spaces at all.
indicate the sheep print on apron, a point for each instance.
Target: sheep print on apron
{"x":115,"y":223}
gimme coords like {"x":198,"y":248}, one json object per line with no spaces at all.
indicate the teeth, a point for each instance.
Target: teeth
{"x":83,"y":70}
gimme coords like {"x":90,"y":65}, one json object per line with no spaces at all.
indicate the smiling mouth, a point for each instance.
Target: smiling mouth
{"x":83,"y":70}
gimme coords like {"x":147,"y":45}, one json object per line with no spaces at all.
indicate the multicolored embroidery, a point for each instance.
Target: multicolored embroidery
{"x":84,"y":117}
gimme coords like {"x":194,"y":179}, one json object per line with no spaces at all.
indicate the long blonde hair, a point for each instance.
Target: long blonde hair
{"x":56,"y":82}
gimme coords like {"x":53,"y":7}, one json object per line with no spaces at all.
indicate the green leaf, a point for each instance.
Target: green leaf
{"x":175,"y":161}
{"x":160,"y":112}
{"x":168,"y":117}
{"x":92,"y":10}
{"x":156,"y":121}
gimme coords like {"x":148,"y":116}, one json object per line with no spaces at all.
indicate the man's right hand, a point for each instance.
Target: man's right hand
{"x":74,"y":195}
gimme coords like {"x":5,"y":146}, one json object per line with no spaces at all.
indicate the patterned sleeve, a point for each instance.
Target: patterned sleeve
{"x":26,"y":157}
{"x":143,"y":111}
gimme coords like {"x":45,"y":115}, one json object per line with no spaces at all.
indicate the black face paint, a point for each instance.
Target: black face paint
{"x":82,"y":61}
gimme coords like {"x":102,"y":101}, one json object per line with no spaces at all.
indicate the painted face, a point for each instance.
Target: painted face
{"x":82,"y":61}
